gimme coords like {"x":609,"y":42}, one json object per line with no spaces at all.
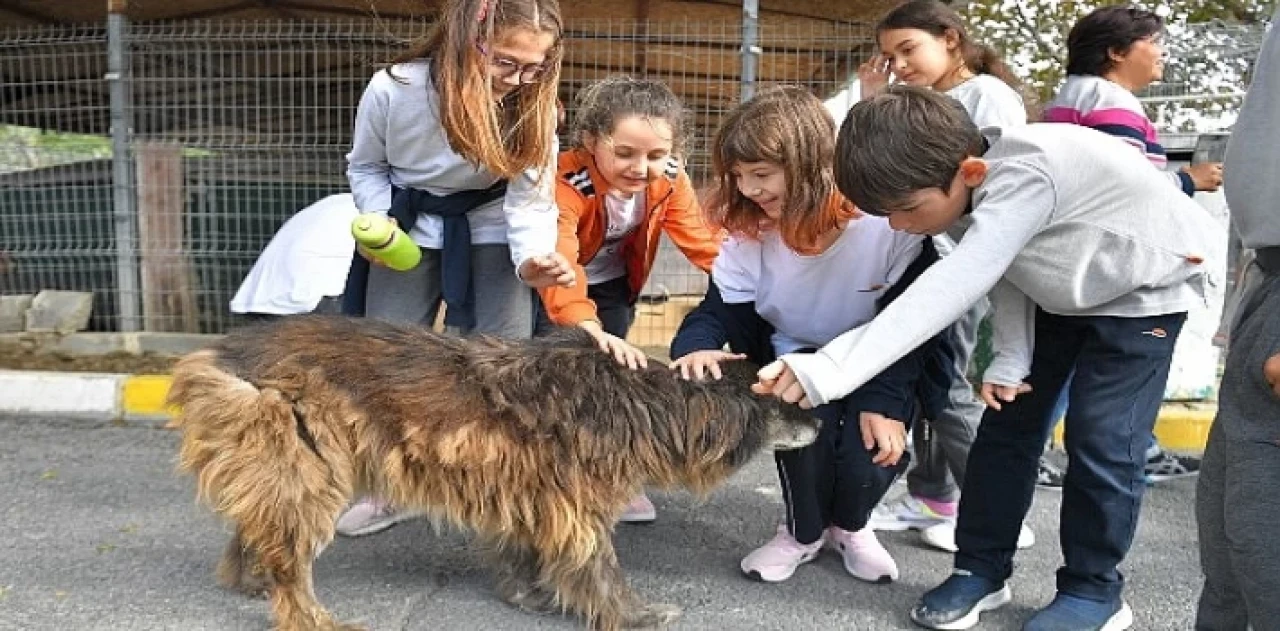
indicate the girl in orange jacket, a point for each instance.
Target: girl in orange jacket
{"x":618,"y":190}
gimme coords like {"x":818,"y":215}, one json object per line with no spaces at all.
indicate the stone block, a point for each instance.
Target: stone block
{"x":60,"y":311}
{"x":13,"y":313}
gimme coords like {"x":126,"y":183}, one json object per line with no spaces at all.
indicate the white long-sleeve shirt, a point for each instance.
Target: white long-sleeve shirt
{"x":399,"y":141}
{"x":307,"y":259}
{"x":1065,"y":220}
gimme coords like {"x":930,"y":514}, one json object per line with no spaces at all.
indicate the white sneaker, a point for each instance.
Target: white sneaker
{"x":943,"y":537}
{"x":369,"y":516}
{"x":908,"y":513}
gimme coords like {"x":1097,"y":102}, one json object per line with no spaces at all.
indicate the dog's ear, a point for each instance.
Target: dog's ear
{"x":739,"y":371}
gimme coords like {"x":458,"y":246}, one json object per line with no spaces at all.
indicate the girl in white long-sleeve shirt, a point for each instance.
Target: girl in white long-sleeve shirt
{"x":456,"y":141}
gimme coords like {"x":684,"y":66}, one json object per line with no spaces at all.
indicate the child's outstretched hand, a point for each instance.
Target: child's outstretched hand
{"x":547,"y":270}
{"x":780,"y":381}
{"x":697,"y":365}
{"x":880,"y":431}
{"x":994,"y":394}
{"x":622,"y":351}
{"x":1271,"y":372}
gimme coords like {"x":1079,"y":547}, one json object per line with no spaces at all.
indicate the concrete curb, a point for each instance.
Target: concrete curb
{"x":84,"y":396}
{"x":1181,"y":427}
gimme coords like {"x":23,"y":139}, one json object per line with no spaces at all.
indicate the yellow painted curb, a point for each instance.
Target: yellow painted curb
{"x":1185,"y":426}
{"x":1181,"y":427}
{"x":144,"y":395}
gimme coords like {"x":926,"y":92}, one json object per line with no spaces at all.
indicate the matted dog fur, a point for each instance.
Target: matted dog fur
{"x":535,"y":447}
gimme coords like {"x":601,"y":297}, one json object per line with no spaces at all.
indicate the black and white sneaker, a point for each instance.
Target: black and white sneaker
{"x":1049,"y":476}
{"x":1166,"y":466}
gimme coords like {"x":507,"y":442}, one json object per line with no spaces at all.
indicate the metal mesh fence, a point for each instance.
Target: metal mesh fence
{"x":237,"y":125}
{"x":1204,"y":81}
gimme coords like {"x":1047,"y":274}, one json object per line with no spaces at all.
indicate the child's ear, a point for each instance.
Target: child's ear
{"x":973,"y":171}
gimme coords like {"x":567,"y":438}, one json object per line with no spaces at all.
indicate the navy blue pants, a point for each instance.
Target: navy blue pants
{"x":613,"y":307}
{"x":833,"y":481}
{"x":1121,"y":366}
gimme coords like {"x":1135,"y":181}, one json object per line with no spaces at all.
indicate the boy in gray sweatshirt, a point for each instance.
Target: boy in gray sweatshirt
{"x":1091,"y":261}
{"x":1236,"y":504}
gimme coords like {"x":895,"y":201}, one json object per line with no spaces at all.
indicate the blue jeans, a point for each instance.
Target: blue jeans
{"x":1060,"y":411}
{"x":1121,"y":366}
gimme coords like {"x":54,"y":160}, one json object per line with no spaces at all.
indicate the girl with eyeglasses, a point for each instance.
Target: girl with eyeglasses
{"x":456,"y":142}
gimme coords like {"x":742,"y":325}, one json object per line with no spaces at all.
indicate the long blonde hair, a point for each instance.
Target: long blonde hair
{"x":518,"y":135}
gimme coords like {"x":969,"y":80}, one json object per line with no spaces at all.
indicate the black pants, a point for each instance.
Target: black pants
{"x":1121,"y":366}
{"x":833,"y":481}
{"x":613,"y":307}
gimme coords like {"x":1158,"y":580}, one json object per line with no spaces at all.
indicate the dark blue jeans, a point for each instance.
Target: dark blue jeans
{"x":1121,"y":366}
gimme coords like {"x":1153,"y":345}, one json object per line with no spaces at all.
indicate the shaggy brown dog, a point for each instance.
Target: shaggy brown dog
{"x":534,"y":446}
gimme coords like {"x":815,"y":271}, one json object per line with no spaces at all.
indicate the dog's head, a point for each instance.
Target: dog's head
{"x":789,"y":426}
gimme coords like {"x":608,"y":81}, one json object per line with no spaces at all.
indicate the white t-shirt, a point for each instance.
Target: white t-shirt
{"x":810,"y":300}
{"x":306,"y":260}
{"x":622,"y":217}
{"x":990,"y":102}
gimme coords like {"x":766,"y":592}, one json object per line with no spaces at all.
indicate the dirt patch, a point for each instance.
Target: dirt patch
{"x":16,"y":357}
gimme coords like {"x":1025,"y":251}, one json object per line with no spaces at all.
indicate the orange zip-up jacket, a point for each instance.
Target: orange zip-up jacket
{"x":671,"y":206}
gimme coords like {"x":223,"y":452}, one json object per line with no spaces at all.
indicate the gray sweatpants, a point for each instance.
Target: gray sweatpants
{"x":503,"y":302}
{"x":1237,"y":507}
{"x":942,"y":444}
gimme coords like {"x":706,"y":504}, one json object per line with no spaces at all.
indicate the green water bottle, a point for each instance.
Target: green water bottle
{"x":386,"y":242}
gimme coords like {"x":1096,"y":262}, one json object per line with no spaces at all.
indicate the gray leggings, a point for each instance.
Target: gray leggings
{"x":415,"y":296}
{"x":941,"y":459}
{"x":1236,"y":504}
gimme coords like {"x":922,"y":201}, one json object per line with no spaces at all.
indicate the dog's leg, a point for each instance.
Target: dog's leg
{"x":288,"y":563}
{"x":598,"y":591}
{"x":516,"y":569}
{"x":240,"y":570}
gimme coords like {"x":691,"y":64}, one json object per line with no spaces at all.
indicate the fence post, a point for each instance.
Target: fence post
{"x":750,"y":47}
{"x":124,"y":212}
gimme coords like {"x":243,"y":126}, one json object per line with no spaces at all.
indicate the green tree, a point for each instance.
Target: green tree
{"x":1211,"y":46}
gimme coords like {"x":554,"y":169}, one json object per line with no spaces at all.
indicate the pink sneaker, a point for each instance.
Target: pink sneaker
{"x":777,"y":560}
{"x":639,"y":511}
{"x":369,"y":516}
{"x":864,"y":557}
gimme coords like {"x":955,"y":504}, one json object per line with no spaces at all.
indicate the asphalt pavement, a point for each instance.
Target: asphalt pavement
{"x":98,"y":532}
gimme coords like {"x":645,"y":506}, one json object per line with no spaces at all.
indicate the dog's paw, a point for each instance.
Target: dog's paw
{"x":532,"y":600}
{"x":343,"y":626}
{"x":654,"y":616}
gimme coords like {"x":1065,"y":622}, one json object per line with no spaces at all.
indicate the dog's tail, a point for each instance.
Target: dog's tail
{"x":257,"y":457}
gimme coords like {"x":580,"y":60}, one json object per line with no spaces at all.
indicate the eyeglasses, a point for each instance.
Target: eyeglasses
{"x":504,"y":68}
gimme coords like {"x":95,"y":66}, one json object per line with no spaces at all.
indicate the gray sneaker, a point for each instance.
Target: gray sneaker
{"x":1049,"y":476}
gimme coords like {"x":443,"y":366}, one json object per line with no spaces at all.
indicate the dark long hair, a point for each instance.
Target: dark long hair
{"x":1106,"y":30}
{"x":936,"y":19}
